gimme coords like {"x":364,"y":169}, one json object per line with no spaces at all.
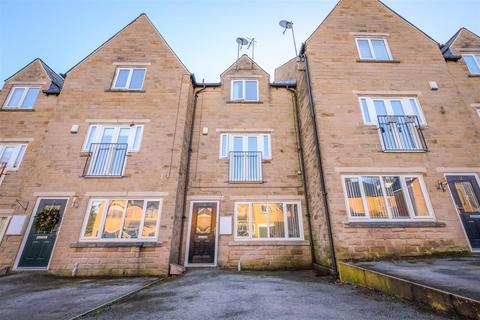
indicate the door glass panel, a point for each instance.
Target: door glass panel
{"x":94,"y":219}
{"x":260,"y":220}
{"x":30,"y":98}
{"x":237,"y":143}
{"x":252,"y":144}
{"x":123,"y":135}
{"x":292,"y":221}
{"x":266,"y":146}
{"x":113,"y":220}
{"x":151,"y":219}
{"x":107,"y":135}
{"x":416,"y":196}
{"x":133,"y":216}
{"x":138,"y":138}
{"x":15,"y":97}
{"x":380,"y":108}
{"x":276,"y":220}
{"x":397,"y":108}
{"x":415,"y":109}
{"x":395,"y":197}
{"x":467,"y":196}
{"x":374,"y":197}
{"x":365,"y":112}
{"x":204,"y":221}
{"x":354,"y":195}
{"x":243,"y":220}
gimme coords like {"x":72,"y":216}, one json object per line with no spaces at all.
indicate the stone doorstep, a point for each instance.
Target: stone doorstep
{"x":405,"y":289}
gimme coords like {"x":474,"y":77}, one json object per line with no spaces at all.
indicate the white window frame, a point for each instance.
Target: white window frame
{"x":245,"y":136}
{"x":104,"y":216}
{"x":250,"y":220}
{"x":129,"y":79}
{"x":16,"y":156}
{"x":406,"y":106}
{"x":476,"y":60}
{"x":412,"y":217}
{"x":244,"y":90}
{"x":22,"y":99}
{"x":99,"y":131}
{"x":2,"y":232}
{"x":390,"y":58}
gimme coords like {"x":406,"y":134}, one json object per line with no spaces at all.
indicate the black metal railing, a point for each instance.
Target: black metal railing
{"x":106,"y":160}
{"x":245,"y":166}
{"x":3,"y":170}
{"x":401,"y":133}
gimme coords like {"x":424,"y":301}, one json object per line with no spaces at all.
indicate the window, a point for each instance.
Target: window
{"x":22,"y":98}
{"x":245,"y":142}
{"x":268,"y":220}
{"x":373,"y":107}
{"x":373,"y":49}
{"x":3,"y":226}
{"x":132,"y":135}
{"x":129,"y":78}
{"x":389,"y":197}
{"x":12,"y":155}
{"x":246,"y":90}
{"x":122,"y":219}
{"x":473,"y":63}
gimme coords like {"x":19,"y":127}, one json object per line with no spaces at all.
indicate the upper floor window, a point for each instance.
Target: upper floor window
{"x":473,"y":63}
{"x":373,"y":49}
{"x":114,"y":134}
{"x":129,"y":78}
{"x":246,"y":90}
{"x":245,"y":143}
{"x":11,"y":155}
{"x":22,"y":98}
{"x":122,"y":219}
{"x":372,"y":108}
{"x":386,"y":197}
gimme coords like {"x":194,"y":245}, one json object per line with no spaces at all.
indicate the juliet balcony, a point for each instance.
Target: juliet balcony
{"x":245,"y":167}
{"x":401,"y":134}
{"x":106,"y":160}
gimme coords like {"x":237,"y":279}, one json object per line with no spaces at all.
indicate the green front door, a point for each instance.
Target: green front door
{"x":41,"y":239}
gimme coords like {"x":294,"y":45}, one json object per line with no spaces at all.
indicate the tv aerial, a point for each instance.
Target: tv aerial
{"x":285,"y":24}
{"x":244,"y":41}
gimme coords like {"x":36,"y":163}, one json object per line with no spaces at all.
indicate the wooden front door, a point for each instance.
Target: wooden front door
{"x":203,"y":233}
{"x":39,"y":245}
{"x":466,"y":194}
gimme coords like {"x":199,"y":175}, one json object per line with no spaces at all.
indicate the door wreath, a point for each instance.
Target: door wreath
{"x":46,"y":220}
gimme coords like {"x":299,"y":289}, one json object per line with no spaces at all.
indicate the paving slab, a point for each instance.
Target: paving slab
{"x":220,"y":294}
{"x":460,"y":276}
{"x":38,"y":295}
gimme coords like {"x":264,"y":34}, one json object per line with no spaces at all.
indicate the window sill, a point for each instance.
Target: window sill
{"x":239,"y":243}
{"x":106,"y":177}
{"x":16,"y":110}
{"x":244,"y":102}
{"x":101,"y":244}
{"x":403,"y":151}
{"x":377,"y":61}
{"x":474,"y":75}
{"x":394,"y":224}
{"x":124,"y":90}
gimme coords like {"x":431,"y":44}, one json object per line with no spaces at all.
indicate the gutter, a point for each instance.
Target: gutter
{"x":302,"y":168}
{"x":303,"y":55}
{"x":187,"y":170}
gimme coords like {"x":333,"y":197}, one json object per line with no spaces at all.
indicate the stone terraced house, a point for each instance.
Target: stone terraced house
{"x":365,"y":146}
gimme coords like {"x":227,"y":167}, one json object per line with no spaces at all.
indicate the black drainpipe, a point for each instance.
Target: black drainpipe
{"x":302,"y":168}
{"x":187,"y":175}
{"x":303,"y":55}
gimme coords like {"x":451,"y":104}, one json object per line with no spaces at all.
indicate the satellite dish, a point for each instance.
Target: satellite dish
{"x":286,"y":24}
{"x":242,"y":41}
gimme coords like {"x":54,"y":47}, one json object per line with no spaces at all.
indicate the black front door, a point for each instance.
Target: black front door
{"x":466,"y":194}
{"x":41,"y":239}
{"x":202,"y":233}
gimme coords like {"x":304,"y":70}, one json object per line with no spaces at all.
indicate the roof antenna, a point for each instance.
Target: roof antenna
{"x":289,"y":25}
{"x":250,"y":43}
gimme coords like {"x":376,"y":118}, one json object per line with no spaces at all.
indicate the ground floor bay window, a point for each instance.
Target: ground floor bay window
{"x":268,"y":220}
{"x":122,"y":220}
{"x":387,"y":197}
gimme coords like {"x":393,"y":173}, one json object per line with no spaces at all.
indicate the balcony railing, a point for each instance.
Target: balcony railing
{"x":401,"y":133}
{"x":245,"y":167}
{"x":106,"y":160}
{"x":3,"y":170}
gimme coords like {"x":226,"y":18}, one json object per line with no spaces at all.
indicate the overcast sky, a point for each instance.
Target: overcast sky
{"x":202,"y":33}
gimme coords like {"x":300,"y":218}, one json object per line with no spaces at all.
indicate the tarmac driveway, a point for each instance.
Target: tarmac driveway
{"x":215,"y":294}
{"x":38,"y":295}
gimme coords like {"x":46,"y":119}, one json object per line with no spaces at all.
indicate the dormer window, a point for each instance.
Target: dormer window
{"x":129,"y":79}
{"x":473,"y":63}
{"x":244,"y":90}
{"x":22,"y":98}
{"x":373,"y":49}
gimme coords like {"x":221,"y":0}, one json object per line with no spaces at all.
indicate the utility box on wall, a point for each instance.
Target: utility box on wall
{"x":226,"y":225}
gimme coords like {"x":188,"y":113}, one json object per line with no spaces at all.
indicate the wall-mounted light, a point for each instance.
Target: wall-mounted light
{"x":74,"y":129}
{"x":442,"y":185}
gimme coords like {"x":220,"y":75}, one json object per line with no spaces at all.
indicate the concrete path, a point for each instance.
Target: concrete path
{"x":215,"y":294}
{"x":455,"y":275}
{"x":37,"y":295}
